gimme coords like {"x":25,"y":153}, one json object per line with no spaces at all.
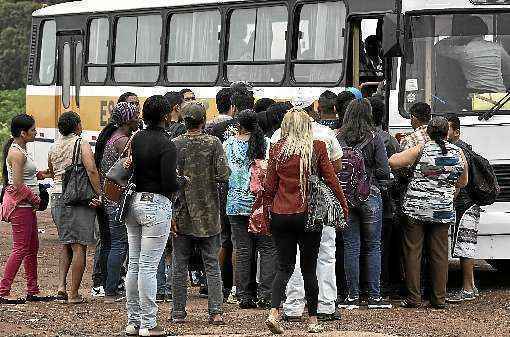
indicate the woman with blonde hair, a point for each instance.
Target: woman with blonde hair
{"x":286,"y":196}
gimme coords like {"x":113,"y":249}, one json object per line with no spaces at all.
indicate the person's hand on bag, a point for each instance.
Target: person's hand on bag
{"x":127,"y":164}
{"x":96,"y":202}
{"x":173,"y":228}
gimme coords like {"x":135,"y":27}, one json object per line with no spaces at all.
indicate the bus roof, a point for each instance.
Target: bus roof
{"x":101,"y":6}
{"x":95,"y":6}
{"x":416,"y":5}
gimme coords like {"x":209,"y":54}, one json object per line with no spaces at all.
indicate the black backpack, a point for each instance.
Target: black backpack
{"x":483,"y":187}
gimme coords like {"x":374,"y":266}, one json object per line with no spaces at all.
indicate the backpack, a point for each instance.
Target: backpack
{"x":354,"y":178}
{"x":175,"y":129}
{"x":483,"y":187}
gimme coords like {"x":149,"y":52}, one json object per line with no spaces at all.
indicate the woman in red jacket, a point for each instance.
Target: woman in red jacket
{"x":286,"y":197}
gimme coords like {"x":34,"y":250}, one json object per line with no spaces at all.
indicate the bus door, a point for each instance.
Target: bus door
{"x":70,"y":61}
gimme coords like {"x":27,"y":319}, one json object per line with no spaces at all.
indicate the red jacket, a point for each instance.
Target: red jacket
{"x":282,"y":190}
{"x":15,"y":196}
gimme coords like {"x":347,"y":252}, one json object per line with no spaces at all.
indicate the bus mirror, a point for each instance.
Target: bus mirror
{"x":392,"y":36}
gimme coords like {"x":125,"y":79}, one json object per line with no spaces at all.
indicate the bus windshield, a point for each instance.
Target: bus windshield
{"x":458,"y":63}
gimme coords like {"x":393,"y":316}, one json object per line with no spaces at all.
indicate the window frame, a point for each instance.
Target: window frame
{"x":113,"y":64}
{"x":86,"y":63}
{"x":166,"y":64}
{"x":40,"y":31}
{"x":284,"y":62}
{"x":296,"y":19}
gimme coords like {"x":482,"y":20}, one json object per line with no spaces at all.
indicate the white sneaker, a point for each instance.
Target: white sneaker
{"x":232,"y":299}
{"x":97,"y":291}
{"x":131,"y":330}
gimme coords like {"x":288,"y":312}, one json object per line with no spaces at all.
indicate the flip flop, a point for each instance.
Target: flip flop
{"x":5,"y":300}
{"x":77,"y":300}
{"x":61,"y":296}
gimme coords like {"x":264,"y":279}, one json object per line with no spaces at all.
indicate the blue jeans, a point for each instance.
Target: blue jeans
{"x":148,"y":227}
{"x":365,"y":224}
{"x":117,"y":253}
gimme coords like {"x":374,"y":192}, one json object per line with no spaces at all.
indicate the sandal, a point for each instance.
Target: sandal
{"x":5,"y":300}
{"x":217,"y":322}
{"x":61,"y":296}
{"x":274,"y":325}
{"x":77,"y":300}
{"x":315,"y":328}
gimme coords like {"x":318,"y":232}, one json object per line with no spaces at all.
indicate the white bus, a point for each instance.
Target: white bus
{"x":430,"y":70}
{"x":84,"y":54}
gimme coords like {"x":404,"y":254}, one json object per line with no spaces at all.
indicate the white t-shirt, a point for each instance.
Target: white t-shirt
{"x":322,"y":133}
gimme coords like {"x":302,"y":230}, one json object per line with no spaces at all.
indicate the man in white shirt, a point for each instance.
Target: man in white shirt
{"x":326,"y":275}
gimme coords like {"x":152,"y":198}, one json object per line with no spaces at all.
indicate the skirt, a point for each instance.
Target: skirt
{"x":466,"y":234}
{"x":75,"y":224}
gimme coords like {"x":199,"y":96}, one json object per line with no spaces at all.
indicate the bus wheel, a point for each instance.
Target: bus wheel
{"x":500,"y":265}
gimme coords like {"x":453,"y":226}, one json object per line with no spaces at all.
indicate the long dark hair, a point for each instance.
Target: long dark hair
{"x":257,"y":144}
{"x":437,"y":130}
{"x":358,"y":122}
{"x":19,"y":123}
{"x":102,"y":139}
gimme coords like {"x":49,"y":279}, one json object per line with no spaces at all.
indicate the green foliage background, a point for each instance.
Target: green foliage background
{"x":15,"y":24}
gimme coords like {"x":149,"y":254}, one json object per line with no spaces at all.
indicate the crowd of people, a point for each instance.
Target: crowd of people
{"x":187,"y":213}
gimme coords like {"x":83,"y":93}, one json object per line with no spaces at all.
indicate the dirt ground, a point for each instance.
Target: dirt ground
{"x":486,"y":316}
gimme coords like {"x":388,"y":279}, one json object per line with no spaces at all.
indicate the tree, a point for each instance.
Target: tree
{"x":15,"y":24}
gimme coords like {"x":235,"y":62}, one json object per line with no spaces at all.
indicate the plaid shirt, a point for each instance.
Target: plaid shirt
{"x":419,"y":136}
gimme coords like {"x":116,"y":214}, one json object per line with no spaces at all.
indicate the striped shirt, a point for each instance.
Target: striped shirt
{"x":431,"y":191}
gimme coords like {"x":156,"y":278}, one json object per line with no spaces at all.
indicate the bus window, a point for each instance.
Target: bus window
{"x":97,"y":60}
{"x":320,"y":40}
{"x":137,"y":49}
{"x":47,"y":53}
{"x":66,"y":76}
{"x":257,"y":35}
{"x":77,"y":71}
{"x":194,"y":38}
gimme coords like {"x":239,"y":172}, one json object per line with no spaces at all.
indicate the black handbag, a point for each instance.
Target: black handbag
{"x":324,"y":209}
{"x":44,"y":196}
{"x":76,"y":187}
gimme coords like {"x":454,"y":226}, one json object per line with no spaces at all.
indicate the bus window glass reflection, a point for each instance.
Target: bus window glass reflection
{"x":194,"y":37}
{"x":256,"y":35}
{"x":47,"y":53}
{"x":138,"y":42}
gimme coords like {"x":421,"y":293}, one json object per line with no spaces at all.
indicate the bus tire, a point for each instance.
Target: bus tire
{"x":500,"y":265}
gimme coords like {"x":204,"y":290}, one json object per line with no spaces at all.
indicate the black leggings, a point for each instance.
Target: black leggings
{"x":288,"y":232}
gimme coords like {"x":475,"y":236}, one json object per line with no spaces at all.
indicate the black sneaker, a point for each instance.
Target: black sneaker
{"x":203,"y":292}
{"x":378,"y":303}
{"x":286,"y":318}
{"x":168,"y":298}
{"x":37,"y":298}
{"x":160,"y":298}
{"x":409,"y":305}
{"x":329,"y":317}
{"x":247,"y":304}
{"x":264,"y":303}
{"x":438,"y":306}
{"x":349,"y":303}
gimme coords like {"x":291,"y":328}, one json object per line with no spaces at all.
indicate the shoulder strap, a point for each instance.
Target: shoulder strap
{"x":76,"y":151}
{"x":367,"y":141}
{"x":418,"y":159}
{"x":127,"y":147}
{"x":16,"y":146}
